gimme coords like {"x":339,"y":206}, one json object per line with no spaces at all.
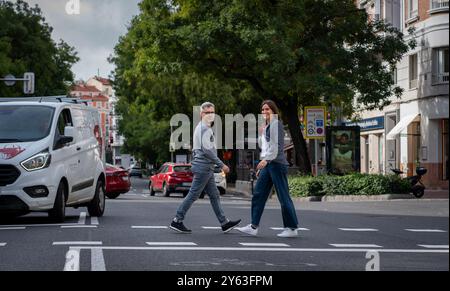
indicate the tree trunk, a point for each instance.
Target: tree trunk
{"x":302,"y":160}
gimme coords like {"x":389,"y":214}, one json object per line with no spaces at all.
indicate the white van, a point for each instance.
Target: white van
{"x":50,"y":157}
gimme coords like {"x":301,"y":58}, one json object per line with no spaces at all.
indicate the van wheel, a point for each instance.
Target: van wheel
{"x":97,"y":206}
{"x":58,"y":213}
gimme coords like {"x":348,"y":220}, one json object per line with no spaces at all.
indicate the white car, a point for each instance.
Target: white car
{"x":50,"y":157}
{"x":221,"y":180}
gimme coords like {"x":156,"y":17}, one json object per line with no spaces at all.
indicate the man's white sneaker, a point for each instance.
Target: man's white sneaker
{"x":288,"y":233}
{"x":248,"y":230}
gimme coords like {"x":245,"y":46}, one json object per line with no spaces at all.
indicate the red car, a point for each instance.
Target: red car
{"x":117,"y":181}
{"x":171,"y":178}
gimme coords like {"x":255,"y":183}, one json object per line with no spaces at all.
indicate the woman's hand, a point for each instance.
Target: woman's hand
{"x":261,"y":165}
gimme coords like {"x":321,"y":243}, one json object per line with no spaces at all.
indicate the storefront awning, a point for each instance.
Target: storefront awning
{"x":404,"y":122}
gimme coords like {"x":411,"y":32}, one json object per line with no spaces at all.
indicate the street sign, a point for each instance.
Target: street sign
{"x":10,"y":80}
{"x":28,"y":83}
{"x":315,"y":122}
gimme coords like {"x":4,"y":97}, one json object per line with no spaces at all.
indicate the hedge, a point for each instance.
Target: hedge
{"x":354,"y":184}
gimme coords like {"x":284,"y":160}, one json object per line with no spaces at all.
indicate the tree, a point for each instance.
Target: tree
{"x":295,"y":52}
{"x":26,"y":46}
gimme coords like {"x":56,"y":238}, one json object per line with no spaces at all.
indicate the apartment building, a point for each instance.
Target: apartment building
{"x":413,"y":131}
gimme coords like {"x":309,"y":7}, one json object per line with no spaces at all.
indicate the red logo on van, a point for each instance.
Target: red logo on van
{"x":10,"y":152}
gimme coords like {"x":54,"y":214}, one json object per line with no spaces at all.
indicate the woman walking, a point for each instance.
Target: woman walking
{"x":272,"y":171}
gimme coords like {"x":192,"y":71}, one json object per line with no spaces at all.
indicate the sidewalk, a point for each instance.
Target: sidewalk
{"x":429,"y":194}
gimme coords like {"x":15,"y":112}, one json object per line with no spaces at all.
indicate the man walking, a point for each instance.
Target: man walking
{"x":204,"y":161}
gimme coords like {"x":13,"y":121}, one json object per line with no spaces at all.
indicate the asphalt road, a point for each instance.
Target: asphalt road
{"x":133,"y":236}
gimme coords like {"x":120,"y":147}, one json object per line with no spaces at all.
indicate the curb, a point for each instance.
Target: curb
{"x":385,"y":197}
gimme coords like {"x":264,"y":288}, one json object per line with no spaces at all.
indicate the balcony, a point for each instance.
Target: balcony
{"x":441,"y":78}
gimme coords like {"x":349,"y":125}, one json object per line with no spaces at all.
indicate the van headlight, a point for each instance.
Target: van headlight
{"x":37,"y":162}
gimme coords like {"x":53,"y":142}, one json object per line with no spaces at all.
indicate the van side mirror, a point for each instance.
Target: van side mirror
{"x":69,"y":131}
{"x":65,"y":139}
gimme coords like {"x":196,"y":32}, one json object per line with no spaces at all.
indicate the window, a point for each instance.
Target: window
{"x":439,"y":4}
{"x":413,"y":9}
{"x":440,"y":65}
{"x":64,"y":119}
{"x":413,"y":73}
{"x":394,"y":76}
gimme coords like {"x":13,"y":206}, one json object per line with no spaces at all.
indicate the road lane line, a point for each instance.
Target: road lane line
{"x":434,"y":246}
{"x":358,"y":229}
{"x":40,"y":225}
{"x":97,"y":260}
{"x":425,"y":230}
{"x":79,"y":226}
{"x":13,"y":228}
{"x":211,"y":227}
{"x":247,"y":249}
{"x":2,"y":244}
{"x":94,"y":220}
{"x":171,"y":243}
{"x":76,"y":243}
{"x":355,"y":246}
{"x":72,"y":260}
{"x":264,"y":245}
{"x":82,"y":219}
{"x":282,"y":228}
{"x":148,"y":227}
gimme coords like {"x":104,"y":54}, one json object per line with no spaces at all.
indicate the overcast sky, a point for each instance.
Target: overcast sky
{"x":94,"y":32}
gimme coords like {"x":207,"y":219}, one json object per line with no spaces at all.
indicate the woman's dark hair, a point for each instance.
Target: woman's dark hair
{"x":272,"y":106}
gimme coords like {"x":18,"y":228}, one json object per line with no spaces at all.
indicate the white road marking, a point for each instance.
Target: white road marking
{"x":41,"y":225}
{"x":94,"y":220}
{"x":171,"y":243}
{"x":425,"y":230}
{"x":264,"y":245}
{"x":358,"y":229}
{"x":72,"y":260}
{"x":97,"y":260}
{"x":82,"y":219}
{"x":282,"y":228}
{"x":149,"y":227}
{"x":247,"y":249}
{"x":13,"y":228}
{"x":79,"y":226}
{"x":434,"y":246}
{"x":76,"y":243}
{"x":2,"y":244}
{"x":355,"y":246}
{"x":211,"y":227}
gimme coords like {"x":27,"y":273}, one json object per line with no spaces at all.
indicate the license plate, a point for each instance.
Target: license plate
{"x":187,"y":184}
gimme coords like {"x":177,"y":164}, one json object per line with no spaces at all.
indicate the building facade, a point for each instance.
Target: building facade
{"x":413,"y":131}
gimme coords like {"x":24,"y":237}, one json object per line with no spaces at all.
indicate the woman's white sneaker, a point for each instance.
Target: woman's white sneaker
{"x":288,"y":233}
{"x":248,"y":230}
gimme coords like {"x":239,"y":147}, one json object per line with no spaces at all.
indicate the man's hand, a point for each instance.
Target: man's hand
{"x":261,"y":165}
{"x":225,"y":169}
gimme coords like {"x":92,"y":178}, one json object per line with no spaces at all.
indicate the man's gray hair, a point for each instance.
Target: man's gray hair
{"x":207,"y":105}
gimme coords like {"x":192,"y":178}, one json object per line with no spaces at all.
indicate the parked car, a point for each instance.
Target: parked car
{"x":117,"y":181}
{"x":173,"y":177}
{"x":50,"y":157}
{"x":136,"y":171}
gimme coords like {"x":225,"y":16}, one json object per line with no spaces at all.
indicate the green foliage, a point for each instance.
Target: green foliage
{"x":239,"y":52}
{"x":26,"y":46}
{"x":355,"y":184}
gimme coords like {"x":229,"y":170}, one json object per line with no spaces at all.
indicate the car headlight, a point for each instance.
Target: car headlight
{"x":37,"y":162}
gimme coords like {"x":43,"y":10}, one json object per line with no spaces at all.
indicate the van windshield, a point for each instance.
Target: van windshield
{"x":24,"y":123}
